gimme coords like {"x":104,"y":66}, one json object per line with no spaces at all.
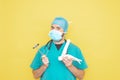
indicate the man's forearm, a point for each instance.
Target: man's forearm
{"x":37,"y":73}
{"x":77,"y":72}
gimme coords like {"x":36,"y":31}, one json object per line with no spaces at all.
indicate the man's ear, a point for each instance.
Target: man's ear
{"x":63,"y":34}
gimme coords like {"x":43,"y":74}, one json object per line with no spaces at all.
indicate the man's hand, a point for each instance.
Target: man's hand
{"x":45,"y":60}
{"x":37,"y":73}
{"x":67,"y":61}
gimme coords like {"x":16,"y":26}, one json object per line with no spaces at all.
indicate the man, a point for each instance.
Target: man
{"x":46,"y":65}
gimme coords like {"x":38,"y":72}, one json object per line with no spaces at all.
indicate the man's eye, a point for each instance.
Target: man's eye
{"x":58,"y":28}
{"x":52,"y":27}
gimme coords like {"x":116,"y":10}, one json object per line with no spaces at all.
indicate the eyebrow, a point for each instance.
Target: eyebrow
{"x":56,"y":26}
{"x":51,"y":26}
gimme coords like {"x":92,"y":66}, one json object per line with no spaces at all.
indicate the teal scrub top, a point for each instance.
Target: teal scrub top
{"x":57,"y":69}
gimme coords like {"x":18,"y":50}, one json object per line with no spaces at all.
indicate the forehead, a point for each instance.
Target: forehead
{"x":55,"y":25}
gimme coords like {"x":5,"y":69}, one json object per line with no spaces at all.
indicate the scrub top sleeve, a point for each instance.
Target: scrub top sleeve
{"x":37,"y":62}
{"x":83,"y":64}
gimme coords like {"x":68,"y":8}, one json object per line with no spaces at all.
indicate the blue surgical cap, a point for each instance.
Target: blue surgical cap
{"x":62,"y":22}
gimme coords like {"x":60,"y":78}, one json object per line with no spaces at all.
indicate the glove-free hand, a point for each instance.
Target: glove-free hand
{"x":67,"y":61}
{"x":45,"y":60}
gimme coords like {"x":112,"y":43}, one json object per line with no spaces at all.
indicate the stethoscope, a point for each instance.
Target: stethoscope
{"x":48,"y":45}
{"x":47,"y":48}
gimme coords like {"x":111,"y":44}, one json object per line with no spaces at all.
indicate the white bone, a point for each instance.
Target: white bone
{"x":66,"y":47}
{"x":60,"y":58}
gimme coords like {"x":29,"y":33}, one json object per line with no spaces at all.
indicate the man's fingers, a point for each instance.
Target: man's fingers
{"x":66,"y":58}
{"x":45,"y":59}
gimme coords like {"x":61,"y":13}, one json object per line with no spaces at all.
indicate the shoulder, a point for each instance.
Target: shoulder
{"x":45,"y":45}
{"x":73,"y":49}
{"x":73,"y":46}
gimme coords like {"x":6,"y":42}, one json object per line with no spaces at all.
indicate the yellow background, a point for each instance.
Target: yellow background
{"x":94,"y":28}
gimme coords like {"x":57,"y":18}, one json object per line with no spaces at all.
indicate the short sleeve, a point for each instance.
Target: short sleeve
{"x":37,"y":62}
{"x":83,"y":64}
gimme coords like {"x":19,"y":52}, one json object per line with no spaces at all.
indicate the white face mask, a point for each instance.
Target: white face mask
{"x":55,"y":35}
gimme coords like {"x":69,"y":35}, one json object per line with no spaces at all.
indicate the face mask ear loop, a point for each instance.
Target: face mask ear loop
{"x":64,"y":32}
